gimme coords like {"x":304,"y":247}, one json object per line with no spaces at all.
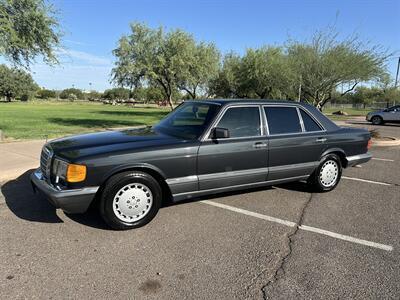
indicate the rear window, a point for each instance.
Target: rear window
{"x":282,"y":120}
{"x":309,"y":123}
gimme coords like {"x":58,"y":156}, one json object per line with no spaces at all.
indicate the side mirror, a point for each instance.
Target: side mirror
{"x":220,"y":133}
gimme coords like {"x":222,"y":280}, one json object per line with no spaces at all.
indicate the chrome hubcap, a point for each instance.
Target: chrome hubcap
{"x":132,"y":202}
{"x":329,"y":173}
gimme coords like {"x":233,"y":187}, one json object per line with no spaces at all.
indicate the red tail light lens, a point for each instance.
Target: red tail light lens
{"x":369,"y":143}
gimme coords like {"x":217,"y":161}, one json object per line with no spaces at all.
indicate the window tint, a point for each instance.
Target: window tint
{"x":189,"y":120}
{"x":241,"y":121}
{"x":282,"y":120}
{"x":309,"y":123}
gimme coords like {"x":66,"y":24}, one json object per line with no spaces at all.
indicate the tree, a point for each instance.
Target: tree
{"x":325,"y":63}
{"x":28,"y":28}
{"x":202,"y":69}
{"x":264,"y":72}
{"x":116,"y":93}
{"x":72,"y":94}
{"x":16,"y":83}
{"x":46,"y":94}
{"x":169,"y":60}
{"x":228,"y":82}
{"x":93,"y":95}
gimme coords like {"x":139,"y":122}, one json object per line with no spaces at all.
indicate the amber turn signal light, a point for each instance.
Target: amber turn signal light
{"x":76,"y":173}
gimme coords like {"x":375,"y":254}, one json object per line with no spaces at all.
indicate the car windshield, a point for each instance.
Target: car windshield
{"x":188,"y":120}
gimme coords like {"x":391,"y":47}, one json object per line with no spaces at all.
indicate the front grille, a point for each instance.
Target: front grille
{"x":45,"y":161}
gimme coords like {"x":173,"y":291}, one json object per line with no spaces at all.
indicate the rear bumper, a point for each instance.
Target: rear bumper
{"x":70,"y":201}
{"x":358,"y":159}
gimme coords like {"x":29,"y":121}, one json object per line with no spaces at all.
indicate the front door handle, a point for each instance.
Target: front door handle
{"x":320,"y":140}
{"x":260,"y":145}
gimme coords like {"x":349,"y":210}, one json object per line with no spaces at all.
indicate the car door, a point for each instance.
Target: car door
{"x":239,"y":159}
{"x":392,"y":114}
{"x":296,"y":141}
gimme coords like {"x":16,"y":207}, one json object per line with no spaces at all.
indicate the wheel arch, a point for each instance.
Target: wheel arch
{"x":339,"y":152}
{"x":153,"y":171}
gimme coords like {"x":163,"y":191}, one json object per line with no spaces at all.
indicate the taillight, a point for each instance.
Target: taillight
{"x":369,"y":143}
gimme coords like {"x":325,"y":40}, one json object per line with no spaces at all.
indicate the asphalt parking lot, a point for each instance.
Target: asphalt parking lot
{"x":281,"y":242}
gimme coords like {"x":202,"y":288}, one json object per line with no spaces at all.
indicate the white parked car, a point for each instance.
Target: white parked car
{"x":391,"y":114}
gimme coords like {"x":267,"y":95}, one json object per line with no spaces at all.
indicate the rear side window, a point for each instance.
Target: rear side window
{"x":282,"y":120}
{"x":309,"y":123}
{"x":241,"y":121}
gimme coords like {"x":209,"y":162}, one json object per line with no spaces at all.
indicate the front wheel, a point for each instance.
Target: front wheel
{"x":377,"y":120}
{"x":327,"y":176}
{"x":130,"y":200}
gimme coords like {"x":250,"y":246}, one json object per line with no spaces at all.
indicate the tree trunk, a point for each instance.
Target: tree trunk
{"x":171,"y":104}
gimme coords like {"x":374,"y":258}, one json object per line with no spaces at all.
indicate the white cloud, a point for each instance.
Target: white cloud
{"x":75,"y":56}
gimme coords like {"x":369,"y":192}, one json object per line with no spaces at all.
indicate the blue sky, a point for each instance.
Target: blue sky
{"x":93,"y":27}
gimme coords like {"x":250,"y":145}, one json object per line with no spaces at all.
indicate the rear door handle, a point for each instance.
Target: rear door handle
{"x":260,"y":145}
{"x":320,"y":140}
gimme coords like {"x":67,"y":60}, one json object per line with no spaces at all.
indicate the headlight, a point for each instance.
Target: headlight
{"x":69,"y":172}
{"x":60,"y":168}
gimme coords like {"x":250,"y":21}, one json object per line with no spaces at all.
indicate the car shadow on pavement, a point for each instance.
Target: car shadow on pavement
{"x":30,"y":206}
{"x":25,"y":204}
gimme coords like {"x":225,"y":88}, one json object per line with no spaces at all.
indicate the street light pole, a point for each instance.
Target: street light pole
{"x":397,"y":73}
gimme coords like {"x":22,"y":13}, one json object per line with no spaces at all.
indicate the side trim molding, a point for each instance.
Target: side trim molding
{"x":183,"y":196}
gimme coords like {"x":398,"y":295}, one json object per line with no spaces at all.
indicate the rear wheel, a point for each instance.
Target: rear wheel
{"x":327,"y":176}
{"x":377,"y":120}
{"x":130,"y":200}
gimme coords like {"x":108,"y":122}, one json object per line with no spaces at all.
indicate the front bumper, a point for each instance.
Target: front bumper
{"x":70,"y":201}
{"x":358,"y":159}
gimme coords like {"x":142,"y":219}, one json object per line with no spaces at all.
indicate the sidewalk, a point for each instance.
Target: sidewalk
{"x":18,"y":157}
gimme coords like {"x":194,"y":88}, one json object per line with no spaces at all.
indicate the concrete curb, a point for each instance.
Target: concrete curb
{"x":394,"y":142}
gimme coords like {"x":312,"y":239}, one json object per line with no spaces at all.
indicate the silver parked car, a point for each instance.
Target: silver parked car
{"x":391,"y":114}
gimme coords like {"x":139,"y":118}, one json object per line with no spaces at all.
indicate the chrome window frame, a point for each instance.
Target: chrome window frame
{"x":322,"y":128}
{"x":206,"y":136}
{"x":298,"y":107}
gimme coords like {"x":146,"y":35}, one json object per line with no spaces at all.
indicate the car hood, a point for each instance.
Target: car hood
{"x":78,"y":147}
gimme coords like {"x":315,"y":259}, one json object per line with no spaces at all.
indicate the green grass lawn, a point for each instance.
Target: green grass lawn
{"x":350,"y":111}
{"x":38,"y":120}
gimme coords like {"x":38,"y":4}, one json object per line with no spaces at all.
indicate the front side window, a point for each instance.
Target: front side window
{"x":309,"y":123}
{"x":189,"y":120}
{"x":241,"y":121}
{"x":282,"y":120}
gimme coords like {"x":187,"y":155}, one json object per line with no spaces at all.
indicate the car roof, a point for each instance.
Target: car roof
{"x":248,"y":101}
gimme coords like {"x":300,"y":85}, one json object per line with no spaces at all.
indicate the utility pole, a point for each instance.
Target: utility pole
{"x":397,"y":73}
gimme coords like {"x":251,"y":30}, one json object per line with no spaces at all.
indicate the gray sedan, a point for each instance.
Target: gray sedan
{"x":391,"y":114}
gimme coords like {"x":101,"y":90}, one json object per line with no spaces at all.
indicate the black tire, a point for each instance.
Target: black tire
{"x":377,"y":120}
{"x":134,"y":180}
{"x":315,"y":180}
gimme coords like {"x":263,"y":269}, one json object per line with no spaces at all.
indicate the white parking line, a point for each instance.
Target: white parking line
{"x":367,"y":181}
{"x":346,"y":238}
{"x":382,"y":159}
{"x":302,"y":227}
